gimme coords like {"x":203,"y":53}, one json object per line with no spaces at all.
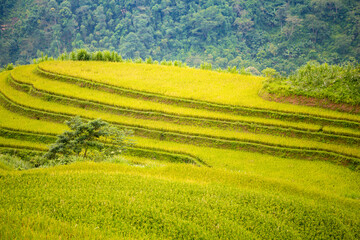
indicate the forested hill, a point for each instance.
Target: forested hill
{"x":281,"y":34}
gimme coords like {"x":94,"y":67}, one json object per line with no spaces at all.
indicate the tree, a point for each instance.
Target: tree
{"x":287,"y":30}
{"x":96,"y":135}
{"x":292,"y":22}
{"x":83,"y":55}
{"x":243,"y":23}
{"x":132,"y":47}
{"x":315,"y":25}
{"x":270,"y":73}
{"x":205,"y":21}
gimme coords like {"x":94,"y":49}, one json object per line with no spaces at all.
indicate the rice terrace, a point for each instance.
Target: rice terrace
{"x":211,"y":155}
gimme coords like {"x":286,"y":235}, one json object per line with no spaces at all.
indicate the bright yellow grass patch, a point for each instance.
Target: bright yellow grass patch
{"x":22,"y":143}
{"x":224,"y":88}
{"x":27,"y":100}
{"x":25,"y":74}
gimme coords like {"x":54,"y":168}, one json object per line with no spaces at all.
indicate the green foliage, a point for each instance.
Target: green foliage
{"x":63,"y":56}
{"x":73,"y":56}
{"x":116,"y":57}
{"x":138,"y":60}
{"x":97,"y":56}
{"x":163,"y":62}
{"x":149,"y":60}
{"x":107,"y":56}
{"x":90,"y":135}
{"x":206,"y":66}
{"x":83,"y":55}
{"x":270,"y":73}
{"x":279,"y":34}
{"x":9,"y":67}
{"x":244,"y":72}
{"x":179,"y":64}
{"x":340,"y":84}
{"x":42,"y":58}
{"x":14,"y":162}
{"x":232,"y":69}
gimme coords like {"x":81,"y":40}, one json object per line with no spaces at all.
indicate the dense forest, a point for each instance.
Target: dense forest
{"x":280,"y":34}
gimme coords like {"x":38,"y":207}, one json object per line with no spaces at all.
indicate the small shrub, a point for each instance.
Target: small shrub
{"x":113,"y":57}
{"x":73,"y":56}
{"x":98,"y":56}
{"x":64,"y":56}
{"x":177,"y":63}
{"x":118,"y":58}
{"x":138,"y":60}
{"x":232,"y":69}
{"x":15,"y":162}
{"x":9,"y":67}
{"x":149,"y":60}
{"x":107,"y":56}
{"x":206,"y":66}
{"x":83,"y":55}
{"x":166,"y":63}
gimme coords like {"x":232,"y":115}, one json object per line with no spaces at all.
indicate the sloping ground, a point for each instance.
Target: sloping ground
{"x":89,"y":200}
{"x":312,"y":101}
{"x":249,"y":174}
{"x":201,"y":85}
{"x":196,"y":130}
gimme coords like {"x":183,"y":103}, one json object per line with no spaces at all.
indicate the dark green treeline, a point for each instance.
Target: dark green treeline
{"x":281,"y":34}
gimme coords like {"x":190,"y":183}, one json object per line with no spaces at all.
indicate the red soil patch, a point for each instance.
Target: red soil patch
{"x":313,"y":102}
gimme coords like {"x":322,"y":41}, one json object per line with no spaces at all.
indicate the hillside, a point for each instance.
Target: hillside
{"x":280,"y":34}
{"x":212,"y":158}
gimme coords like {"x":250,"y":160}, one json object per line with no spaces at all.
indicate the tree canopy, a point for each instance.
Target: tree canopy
{"x":278,"y":34}
{"x":96,"y":135}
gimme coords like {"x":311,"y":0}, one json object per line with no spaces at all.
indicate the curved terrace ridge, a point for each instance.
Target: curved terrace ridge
{"x":203,"y":140}
{"x":199,"y":104}
{"x":344,"y":138}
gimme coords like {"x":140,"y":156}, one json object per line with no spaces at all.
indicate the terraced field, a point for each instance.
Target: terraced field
{"x":200,"y":133}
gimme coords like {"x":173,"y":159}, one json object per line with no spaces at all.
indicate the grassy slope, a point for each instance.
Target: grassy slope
{"x":173,"y":201}
{"x":198,"y":84}
{"x":244,"y":196}
{"x":27,"y":100}
{"x":25,"y":74}
{"x":313,"y":174}
{"x":12,"y":120}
